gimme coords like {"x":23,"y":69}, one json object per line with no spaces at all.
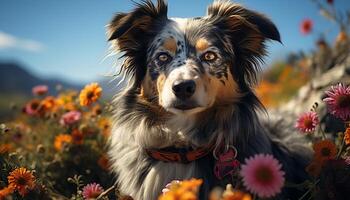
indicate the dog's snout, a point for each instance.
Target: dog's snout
{"x":184,"y":89}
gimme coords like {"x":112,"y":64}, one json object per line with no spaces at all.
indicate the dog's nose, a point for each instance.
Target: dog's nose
{"x":184,"y":89}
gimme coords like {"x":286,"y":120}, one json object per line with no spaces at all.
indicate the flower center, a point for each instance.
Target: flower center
{"x":325,"y":151}
{"x":90,"y":94}
{"x":308,"y":123}
{"x":343,"y":101}
{"x":264,"y":175}
{"x":21,"y":181}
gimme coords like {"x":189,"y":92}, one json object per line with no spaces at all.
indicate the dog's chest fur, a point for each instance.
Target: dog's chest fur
{"x":144,"y":178}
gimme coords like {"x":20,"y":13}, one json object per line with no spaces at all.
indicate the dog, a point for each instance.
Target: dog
{"x":190,"y":96}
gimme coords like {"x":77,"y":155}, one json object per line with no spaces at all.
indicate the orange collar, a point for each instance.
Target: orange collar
{"x":179,"y":155}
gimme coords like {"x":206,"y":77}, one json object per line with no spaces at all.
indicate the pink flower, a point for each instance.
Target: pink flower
{"x":40,"y":89}
{"x":92,"y":191}
{"x":307,"y":122}
{"x":31,"y":108}
{"x":338,"y":101}
{"x":70,"y":117}
{"x":306,"y":26}
{"x":262,"y":175}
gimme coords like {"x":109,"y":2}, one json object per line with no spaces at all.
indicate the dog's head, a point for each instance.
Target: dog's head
{"x":189,"y":65}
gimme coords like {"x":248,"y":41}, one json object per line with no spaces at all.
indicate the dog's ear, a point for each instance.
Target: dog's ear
{"x":131,"y":32}
{"x":247,"y":31}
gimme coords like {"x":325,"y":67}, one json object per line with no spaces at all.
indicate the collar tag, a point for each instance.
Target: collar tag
{"x":226,"y":164}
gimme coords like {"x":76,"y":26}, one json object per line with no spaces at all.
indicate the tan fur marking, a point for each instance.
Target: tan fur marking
{"x":146,"y":87}
{"x":202,"y":44}
{"x":160,"y":83}
{"x":170,"y":45}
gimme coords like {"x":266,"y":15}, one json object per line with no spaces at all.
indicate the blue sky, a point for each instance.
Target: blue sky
{"x":66,"y":38}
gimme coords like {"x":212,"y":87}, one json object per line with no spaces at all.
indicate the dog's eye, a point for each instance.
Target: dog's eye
{"x":209,"y":56}
{"x":163,"y":57}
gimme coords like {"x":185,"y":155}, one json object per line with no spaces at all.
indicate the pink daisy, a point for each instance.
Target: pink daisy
{"x":92,"y":191}
{"x":40,"y":89}
{"x":262,"y":175}
{"x":338,"y":101}
{"x":307,"y":122}
{"x":70,"y":117}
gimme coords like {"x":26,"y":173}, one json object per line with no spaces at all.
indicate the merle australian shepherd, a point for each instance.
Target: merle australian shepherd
{"x":190,"y":94}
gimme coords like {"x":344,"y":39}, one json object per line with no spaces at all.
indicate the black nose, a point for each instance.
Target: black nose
{"x":184,"y":89}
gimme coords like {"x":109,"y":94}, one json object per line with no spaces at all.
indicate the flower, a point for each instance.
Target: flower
{"x":62,"y":139}
{"x":306,"y":26}
{"x":231,"y":194}
{"x":31,"y":108}
{"x":40,"y":89}
{"x":92,"y":190}
{"x":77,"y":137}
{"x":70,"y":117}
{"x":182,"y":190}
{"x":66,"y":100}
{"x":347,"y":136}
{"x":338,"y":101}
{"x":21,"y":180}
{"x":324,"y":150}
{"x":262,"y":175}
{"x":307,"y":122}
{"x":4,"y":192}
{"x":90,"y":94}
{"x":48,"y":104}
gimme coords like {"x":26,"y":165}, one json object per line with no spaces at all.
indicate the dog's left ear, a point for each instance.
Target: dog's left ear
{"x":247,"y":31}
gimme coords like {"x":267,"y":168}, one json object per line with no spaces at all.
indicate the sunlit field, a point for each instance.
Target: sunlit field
{"x":54,"y":139}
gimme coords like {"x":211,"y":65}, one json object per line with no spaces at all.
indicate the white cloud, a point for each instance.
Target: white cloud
{"x":8,"y":41}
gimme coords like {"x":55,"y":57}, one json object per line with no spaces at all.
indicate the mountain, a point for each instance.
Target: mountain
{"x":14,"y":79}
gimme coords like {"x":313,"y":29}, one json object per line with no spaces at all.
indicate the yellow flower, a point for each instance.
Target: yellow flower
{"x":90,"y":94}
{"x":325,"y":150}
{"x":62,"y":139}
{"x":21,"y":180}
{"x":66,"y":100}
{"x":231,"y":194}
{"x":184,"y":190}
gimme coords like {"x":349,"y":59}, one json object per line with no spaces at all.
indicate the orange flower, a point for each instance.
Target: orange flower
{"x":62,"y":139}
{"x":325,"y":150}
{"x":77,"y":137}
{"x":48,"y":104}
{"x":5,"y":148}
{"x":66,"y":100}
{"x":5,"y":192}
{"x":90,"y":94}
{"x":184,"y":190}
{"x":347,"y":136}
{"x":231,"y":194}
{"x":21,"y":180}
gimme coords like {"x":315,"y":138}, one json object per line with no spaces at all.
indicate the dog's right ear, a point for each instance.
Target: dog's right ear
{"x":125,"y":26}
{"x":130,"y":33}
